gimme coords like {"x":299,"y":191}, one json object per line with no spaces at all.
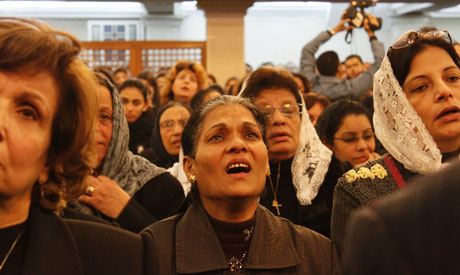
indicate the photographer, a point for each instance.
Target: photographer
{"x":327,"y":81}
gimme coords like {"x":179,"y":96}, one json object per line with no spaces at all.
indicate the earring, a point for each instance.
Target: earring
{"x":192,"y":179}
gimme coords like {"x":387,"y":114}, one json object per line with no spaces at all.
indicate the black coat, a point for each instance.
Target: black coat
{"x":59,"y":246}
{"x":416,"y":231}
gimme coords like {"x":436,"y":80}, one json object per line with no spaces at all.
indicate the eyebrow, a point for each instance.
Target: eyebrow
{"x":363,"y":131}
{"x":31,"y":95}
{"x":423,"y":76}
{"x":224,"y":125}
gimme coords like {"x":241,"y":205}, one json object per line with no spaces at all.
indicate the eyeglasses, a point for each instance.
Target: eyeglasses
{"x":169,"y":124}
{"x":355,"y":139}
{"x":413,"y":36}
{"x":286,"y":109}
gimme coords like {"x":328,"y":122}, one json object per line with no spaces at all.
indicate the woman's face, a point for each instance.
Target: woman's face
{"x":314,"y":112}
{"x":185,"y":86}
{"x":28,"y":105}
{"x":133,"y":103}
{"x":172,"y":122}
{"x":434,"y":91}
{"x":231,"y":159}
{"x":282,"y":130}
{"x":104,"y":123}
{"x":354,"y":141}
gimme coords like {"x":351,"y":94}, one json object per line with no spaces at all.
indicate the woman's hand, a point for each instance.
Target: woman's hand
{"x":106,"y":196}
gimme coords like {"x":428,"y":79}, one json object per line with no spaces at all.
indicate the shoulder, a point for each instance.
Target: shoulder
{"x":164,"y":181}
{"x":368,"y":182}
{"x":99,"y":251}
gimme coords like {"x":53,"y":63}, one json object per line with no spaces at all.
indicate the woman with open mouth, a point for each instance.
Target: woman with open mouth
{"x":225,"y":229}
{"x":417,"y":120}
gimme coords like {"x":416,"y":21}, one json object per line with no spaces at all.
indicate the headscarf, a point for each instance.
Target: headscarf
{"x":311,"y":160}
{"x":398,"y":126}
{"x":131,"y":172}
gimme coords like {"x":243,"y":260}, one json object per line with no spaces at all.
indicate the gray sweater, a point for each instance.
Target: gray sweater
{"x":333,"y":87}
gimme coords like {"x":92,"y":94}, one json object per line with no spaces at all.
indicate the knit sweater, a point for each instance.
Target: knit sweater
{"x":362,"y":186}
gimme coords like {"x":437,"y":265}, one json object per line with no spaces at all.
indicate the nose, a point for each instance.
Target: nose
{"x":177,"y":129}
{"x":237,"y":145}
{"x":361,"y":144}
{"x":3,"y":124}
{"x":443,"y":92}
{"x":277,"y":119}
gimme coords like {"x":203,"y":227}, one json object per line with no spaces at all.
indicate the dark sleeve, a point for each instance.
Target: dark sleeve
{"x":159,"y":198}
{"x":370,"y":247}
{"x":105,"y":249}
{"x":343,"y":204}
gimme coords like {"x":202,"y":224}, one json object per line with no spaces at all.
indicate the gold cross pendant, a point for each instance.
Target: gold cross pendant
{"x":277,"y":206}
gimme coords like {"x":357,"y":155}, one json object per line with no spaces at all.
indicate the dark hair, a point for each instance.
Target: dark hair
{"x":354,"y":56}
{"x":150,"y":78}
{"x":122,"y":70}
{"x":193,"y":128}
{"x":332,"y":118}
{"x":267,"y":78}
{"x":401,"y":59}
{"x":312,"y":98}
{"x":213,"y":78}
{"x":305,"y":81}
{"x":104,"y":72}
{"x":136,"y":83}
{"x":328,"y":63}
{"x":198,"y":98}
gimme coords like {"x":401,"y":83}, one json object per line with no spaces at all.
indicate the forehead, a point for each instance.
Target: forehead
{"x":131,"y":92}
{"x":175,"y":112}
{"x":234,"y":114}
{"x":353,"y":60}
{"x":354,"y":123}
{"x":277,"y":95}
{"x":427,"y":56}
{"x":185,"y":72}
{"x":104,"y":97}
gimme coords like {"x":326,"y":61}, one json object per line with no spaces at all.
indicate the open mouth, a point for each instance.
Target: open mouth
{"x":236,"y":168}
{"x":448,"y":111}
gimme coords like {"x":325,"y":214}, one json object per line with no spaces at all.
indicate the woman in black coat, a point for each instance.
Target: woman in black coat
{"x":47,"y":106}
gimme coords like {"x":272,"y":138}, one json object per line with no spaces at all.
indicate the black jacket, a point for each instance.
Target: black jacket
{"x":59,"y":246}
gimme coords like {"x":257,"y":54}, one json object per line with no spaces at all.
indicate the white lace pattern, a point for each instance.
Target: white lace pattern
{"x":398,"y":126}
{"x":311,"y":161}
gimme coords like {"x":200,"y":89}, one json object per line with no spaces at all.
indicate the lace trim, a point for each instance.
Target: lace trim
{"x":398,"y":126}
{"x":311,"y":161}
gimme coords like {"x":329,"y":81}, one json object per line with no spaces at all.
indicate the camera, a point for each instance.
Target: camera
{"x":355,"y":12}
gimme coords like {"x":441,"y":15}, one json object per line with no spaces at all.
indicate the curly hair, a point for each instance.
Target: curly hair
{"x":201,"y":75}
{"x":29,"y":47}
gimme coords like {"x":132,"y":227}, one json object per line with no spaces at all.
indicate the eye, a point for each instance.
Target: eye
{"x":29,"y":112}
{"x":419,"y":88}
{"x":252,"y":134}
{"x":368,"y":136}
{"x":124,"y":101}
{"x":452,"y":78}
{"x":216,"y":137}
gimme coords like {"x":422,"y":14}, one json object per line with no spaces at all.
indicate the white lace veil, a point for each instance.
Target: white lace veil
{"x":311,"y":160}
{"x":398,"y":126}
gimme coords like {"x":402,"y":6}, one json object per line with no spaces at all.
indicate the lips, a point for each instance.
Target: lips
{"x":237,"y":167}
{"x":452,"y":110}
{"x":279,"y":134}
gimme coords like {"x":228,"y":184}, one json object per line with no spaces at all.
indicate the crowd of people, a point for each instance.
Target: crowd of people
{"x":105,"y":173}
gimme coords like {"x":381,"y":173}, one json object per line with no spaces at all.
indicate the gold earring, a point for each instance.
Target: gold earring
{"x":192,"y":179}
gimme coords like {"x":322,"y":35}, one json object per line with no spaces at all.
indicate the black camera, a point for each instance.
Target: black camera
{"x":355,"y":12}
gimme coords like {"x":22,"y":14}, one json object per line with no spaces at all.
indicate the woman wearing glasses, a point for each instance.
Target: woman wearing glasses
{"x":345,"y":127}
{"x":417,"y":120}
{"x":298,"y":159}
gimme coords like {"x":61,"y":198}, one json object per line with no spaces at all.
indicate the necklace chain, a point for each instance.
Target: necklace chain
{"x":275,"y":190}
{"x":10,"y":250}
